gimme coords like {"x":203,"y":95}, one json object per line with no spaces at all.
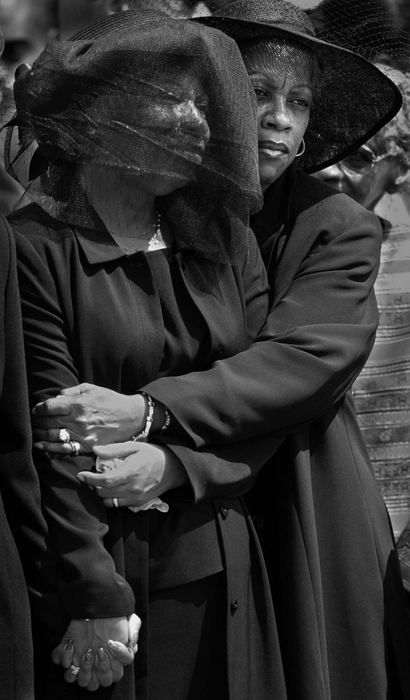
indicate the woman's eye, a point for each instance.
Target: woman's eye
{"x":260,"y":92}
{"x":301,"y":102}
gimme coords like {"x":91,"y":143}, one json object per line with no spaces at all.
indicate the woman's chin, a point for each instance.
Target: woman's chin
{"x":270,"y":171}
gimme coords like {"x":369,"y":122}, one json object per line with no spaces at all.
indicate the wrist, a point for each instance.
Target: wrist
{"x":138,"y":413}
{"x":156,"y":418}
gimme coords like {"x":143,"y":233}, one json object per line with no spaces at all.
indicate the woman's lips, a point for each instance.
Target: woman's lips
{"x":273,"y":149}
{"x":188,"y":147}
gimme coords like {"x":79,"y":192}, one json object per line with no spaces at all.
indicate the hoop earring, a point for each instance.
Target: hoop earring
{"x":300,"y":153}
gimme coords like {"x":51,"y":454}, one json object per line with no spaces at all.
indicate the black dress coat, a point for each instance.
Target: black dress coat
{"x":20,"y":522}
{"x":342,"y":617}
{"x":93,"y":314}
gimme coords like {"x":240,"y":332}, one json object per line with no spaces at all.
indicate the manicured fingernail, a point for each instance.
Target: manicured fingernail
{"x":101,"y":654}
{"x":68,"y":646}
{"x":89,"y":655}
{"x":38,"y":445}
{"x":80,"y":477}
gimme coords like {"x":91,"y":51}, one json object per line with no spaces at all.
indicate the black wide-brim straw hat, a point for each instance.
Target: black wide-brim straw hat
{"x":353,"y":99}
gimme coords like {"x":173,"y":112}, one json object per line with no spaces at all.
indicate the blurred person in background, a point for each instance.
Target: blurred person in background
{"x":376,"y":29}
{"x":27,"y":26}
{"x":75,"y":14}
{"x":378,"y":176}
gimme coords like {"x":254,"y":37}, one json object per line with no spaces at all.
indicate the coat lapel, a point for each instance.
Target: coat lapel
{"x":298,"y":244}
{"x":288,"y":225}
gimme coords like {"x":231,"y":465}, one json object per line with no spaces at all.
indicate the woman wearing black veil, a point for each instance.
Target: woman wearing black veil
{"x":135,"y":261}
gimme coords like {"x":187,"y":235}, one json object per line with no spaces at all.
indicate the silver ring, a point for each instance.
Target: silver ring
{"x":115,"y":502}
{"x":75,"y":447}
{"x":64,"y":435}
{"x":75,"y":670}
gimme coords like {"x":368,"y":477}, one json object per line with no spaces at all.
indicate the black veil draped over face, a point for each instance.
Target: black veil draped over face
{"x":113,"y":96}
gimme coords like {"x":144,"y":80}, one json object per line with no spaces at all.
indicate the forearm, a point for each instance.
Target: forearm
{"x":274,"y":386}
{"x":88,"y":584}
{"x":224,"y":471}
{"x":317,"y":337}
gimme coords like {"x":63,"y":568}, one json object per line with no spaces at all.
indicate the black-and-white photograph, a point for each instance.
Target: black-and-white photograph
{"x":205,"y":349}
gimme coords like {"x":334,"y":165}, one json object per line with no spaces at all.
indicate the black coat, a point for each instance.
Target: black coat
{"x":20,"y":521}
{"x":342,"y":617}
{"x":92,"y":314}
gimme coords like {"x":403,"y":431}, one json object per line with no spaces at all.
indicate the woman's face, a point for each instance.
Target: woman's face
{"x":282,"y":76}
{"x":178,"y":119}
{"x":366,"y":175}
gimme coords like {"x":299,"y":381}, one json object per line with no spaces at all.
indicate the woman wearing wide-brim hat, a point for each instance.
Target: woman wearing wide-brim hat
{"x":343,"y":626}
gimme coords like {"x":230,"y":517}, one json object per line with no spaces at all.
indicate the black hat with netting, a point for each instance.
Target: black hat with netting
{"x":371,"y":27}
{"x":116,"y":94}
{"x":352,"y":98}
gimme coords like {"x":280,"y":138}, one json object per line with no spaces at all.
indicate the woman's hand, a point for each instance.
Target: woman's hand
{"x":91,"y":414}
{"x":94,"y":652}
{"x":134,"y":473}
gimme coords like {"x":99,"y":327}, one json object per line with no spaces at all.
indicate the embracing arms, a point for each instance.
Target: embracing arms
{"x":317,"y":336}
{"x":316,"y":339}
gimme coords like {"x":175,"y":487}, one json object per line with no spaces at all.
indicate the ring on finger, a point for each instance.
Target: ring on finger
{"x":115,"y":502}
{"x":75,"y":447}
{"x":88,"y":655}
{"x":75,"y":670}
{"x":64,"y":435}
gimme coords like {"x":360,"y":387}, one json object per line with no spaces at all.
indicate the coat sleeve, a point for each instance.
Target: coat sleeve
{"x":19,"y":485}
{"x":229,"y":471}
{"x":88,"y":583}
{"x":317,"y":337}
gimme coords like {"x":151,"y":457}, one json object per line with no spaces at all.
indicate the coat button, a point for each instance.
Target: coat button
{"x":224,"y":512}
{"x":234,"y":606}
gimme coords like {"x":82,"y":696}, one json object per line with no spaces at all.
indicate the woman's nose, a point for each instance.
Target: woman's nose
{"x":276,"y":115}
{"x":194,"y":120}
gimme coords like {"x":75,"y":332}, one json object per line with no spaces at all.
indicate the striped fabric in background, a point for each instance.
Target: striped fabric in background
{"x":382,"y":391}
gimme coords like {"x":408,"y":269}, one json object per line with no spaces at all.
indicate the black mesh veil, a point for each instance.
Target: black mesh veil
{"x":119,"y":96}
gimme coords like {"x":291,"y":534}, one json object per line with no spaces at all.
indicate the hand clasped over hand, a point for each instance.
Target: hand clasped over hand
{"x":92,"y":415}
{"x":94,"y":652}
{"x":135,"y":473}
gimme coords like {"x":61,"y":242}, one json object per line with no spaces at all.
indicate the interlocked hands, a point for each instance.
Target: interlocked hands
{"x":133,"y":473}
{"x":94,"y":652}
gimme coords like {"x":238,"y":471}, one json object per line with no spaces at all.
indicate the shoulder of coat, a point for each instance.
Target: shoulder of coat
{"x":333,"y":209}
{"x":38,"y":227}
